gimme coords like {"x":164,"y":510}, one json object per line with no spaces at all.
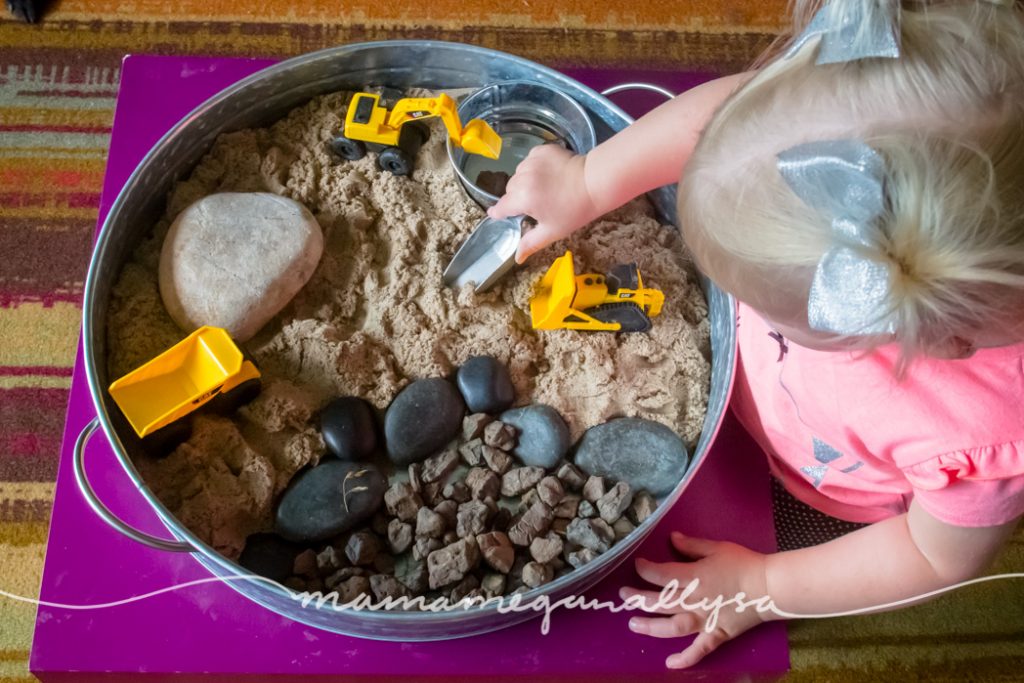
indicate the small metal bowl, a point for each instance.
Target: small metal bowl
{"x":525,"y":114}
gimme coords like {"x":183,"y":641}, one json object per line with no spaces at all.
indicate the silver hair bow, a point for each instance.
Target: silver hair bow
{"x":851,"y":30}
{"x":843,"y":179}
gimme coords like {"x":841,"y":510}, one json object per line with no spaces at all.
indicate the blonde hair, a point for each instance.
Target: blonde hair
{"x":948,"y":118}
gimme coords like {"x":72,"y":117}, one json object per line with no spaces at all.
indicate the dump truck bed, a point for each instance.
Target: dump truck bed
{"x":181,"y":379}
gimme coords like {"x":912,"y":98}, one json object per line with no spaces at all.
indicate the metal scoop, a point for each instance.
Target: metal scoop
{"x":487,"y":254}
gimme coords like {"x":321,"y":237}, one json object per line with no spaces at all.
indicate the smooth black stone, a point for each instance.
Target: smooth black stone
{"x":485,"y":384}
{"x":422,"y":419}
{"x":348,"y":428}
{"x":269,"y":555}
{"x":644,"y":454}
{"x":543,"y":435}
{"x":329,"y":499}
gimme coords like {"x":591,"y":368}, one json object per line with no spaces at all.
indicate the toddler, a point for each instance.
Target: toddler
{"x":861,"y":194}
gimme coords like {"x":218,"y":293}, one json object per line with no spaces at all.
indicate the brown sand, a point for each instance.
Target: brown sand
{"x":375,"y":316}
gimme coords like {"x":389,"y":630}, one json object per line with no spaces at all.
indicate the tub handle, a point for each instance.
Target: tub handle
{"x":622,"y":87}
{"x":105,"y":514}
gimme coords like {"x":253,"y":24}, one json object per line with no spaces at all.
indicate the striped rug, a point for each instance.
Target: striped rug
{"x":58,"y":82}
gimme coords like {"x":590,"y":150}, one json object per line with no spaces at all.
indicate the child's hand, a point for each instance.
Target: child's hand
{"x":549,"y":186}
{"x":724,"y":569}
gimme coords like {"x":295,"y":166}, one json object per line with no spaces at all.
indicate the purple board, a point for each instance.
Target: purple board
{"x":211,"y":629}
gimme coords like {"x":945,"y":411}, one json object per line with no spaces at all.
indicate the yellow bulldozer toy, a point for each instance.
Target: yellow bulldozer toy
{"x":204,"y":370}
{"x":615,"y":302}
{"x":396,"y":136}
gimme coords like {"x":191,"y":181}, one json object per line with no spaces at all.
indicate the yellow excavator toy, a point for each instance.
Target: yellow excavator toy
{"x":396,"y":136}
{"x":615,"y":302}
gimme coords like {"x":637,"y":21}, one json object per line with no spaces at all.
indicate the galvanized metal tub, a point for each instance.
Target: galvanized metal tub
{"x":257,"y":101}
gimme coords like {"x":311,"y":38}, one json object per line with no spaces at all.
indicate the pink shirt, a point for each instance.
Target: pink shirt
{"x":848,"y":438}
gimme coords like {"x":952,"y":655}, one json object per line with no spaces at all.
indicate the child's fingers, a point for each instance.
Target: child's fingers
{"x":675,"y":626}
{"x":533,"y":241}
{"x":704,"y":644}
{"x":651,"y":600}
{"x":508,"y":205}
{"x":692,"y":547}
{"x":660,"y":573}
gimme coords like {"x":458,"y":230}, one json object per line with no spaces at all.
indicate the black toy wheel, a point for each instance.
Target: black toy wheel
{"x":163,"y":441}
{"x":227,"y":403}
{"x":347,"y":148}
{"x":395,"y":161}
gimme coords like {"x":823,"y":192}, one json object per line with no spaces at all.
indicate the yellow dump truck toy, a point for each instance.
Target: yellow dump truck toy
{"x":396,"y":136}
{"x":615,"y":302}
{"x":206,"y":368}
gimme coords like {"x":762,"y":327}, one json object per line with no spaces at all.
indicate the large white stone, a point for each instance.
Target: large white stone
{"x":235,"y":259}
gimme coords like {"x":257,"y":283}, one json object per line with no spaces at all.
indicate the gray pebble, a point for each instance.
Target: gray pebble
{"x":438,"y":467}
{"x":269,"y":555}
{"x":348,"y":428}
{"x":424,"y":545}
{"x":594,"y":534}
{"x":642,"y":507}
{"x":457,"y":491}
{"x":497,"y":550}
{"x":594,"y":488}
{"x":473,"y":426}
{"x":448,"y":509}
{"x":622,"y":528}
{"x":472,"y":452}
{"x":402,"y":501}
{"x":400,"y":536}
{"x":498,"y":460}
{"x":543,"y":435}
{"x":387,"y":586}
{"x":352,"y":588}
{"x":305,"y":563}
{"x":581,"y":557}
{"x":534,"y":522}
{"x":483,"y":483}
{"x":472,"y":518}
{"x":519,"y":480}
{"x":550,"y":490}
{"x":362,"y":547}
{"x":412,"y":573}
{"x":493,"y":584}
{"x":613,"y":503}
{"x":567,"y":507}
{"x":536,"y":574}
{"x":463,"y":589}
{"x":485,"y":384}
{"x":422,"y":419}
{"x":452,"y":562}
{"x":344,"y":574}
{"x":546,"y":548}
{"x":500,"y":435}
{"x":429,"y":523}
{"x":645,"y":454}
{"x":329,"y":499}
{"x":571,"y":476}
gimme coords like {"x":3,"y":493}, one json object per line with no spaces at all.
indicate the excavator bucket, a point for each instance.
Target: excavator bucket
{"x":553,"y":300}
{"x":479,"y":138}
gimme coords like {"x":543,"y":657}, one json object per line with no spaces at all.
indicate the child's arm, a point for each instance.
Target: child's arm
{"x":900,"y":558}
{"x":563,"y":192}
{"x":892,"y":560}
